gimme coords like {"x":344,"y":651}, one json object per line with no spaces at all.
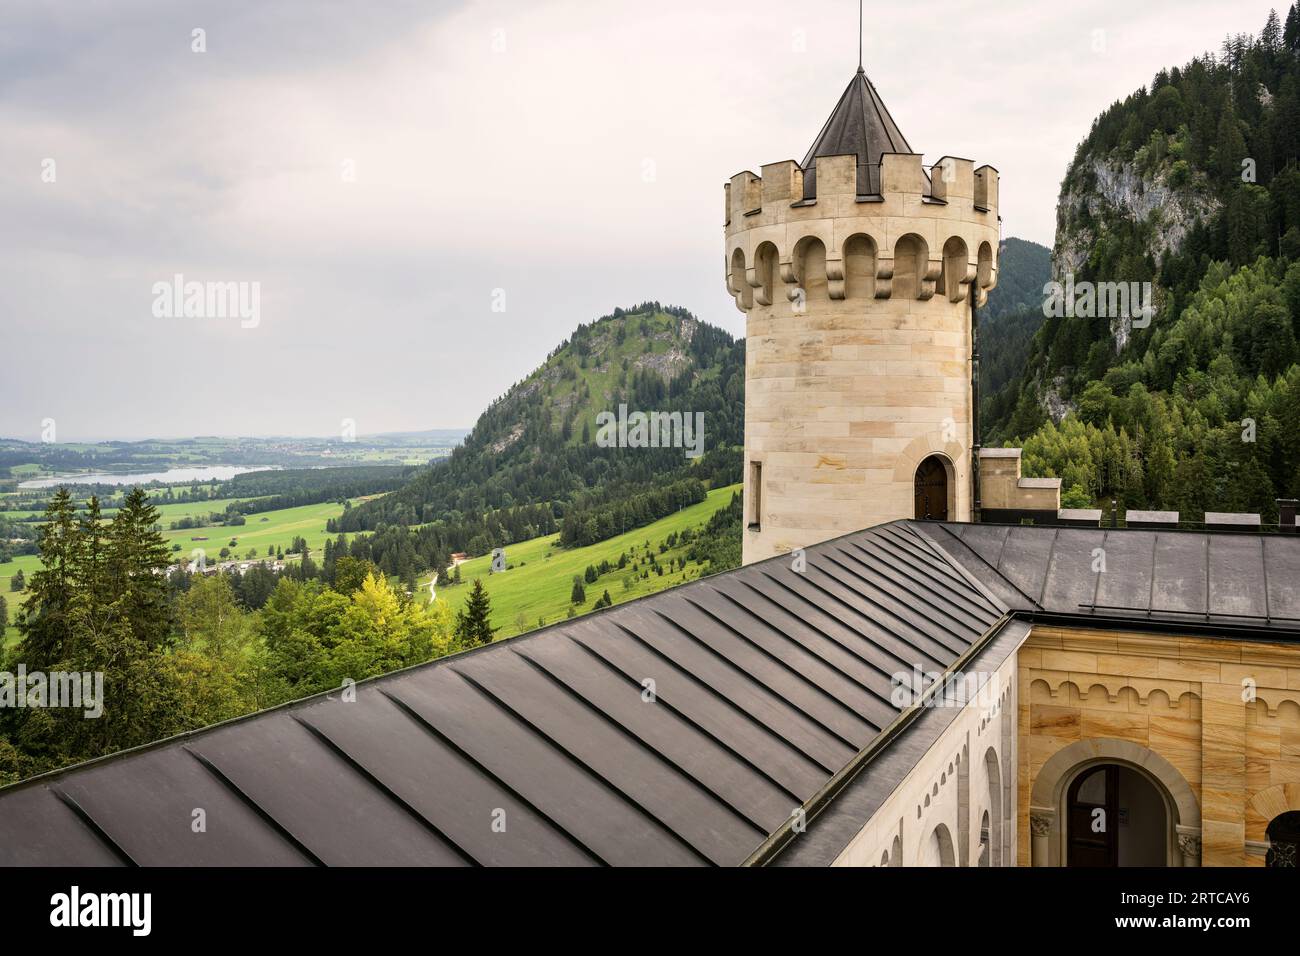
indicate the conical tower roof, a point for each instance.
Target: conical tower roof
{"x":861,"y":124}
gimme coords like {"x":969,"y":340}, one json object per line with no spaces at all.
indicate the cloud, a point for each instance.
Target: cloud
{"x":380,"y":169}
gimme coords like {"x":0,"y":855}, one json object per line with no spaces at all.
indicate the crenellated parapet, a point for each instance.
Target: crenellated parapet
{"x":927,"y":231}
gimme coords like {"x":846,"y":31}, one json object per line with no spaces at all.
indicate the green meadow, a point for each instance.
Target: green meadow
{"x":271,"y":529}
{"x":167,"y":511}
{"x":27,"y":563}
{"x":537,"y":588}
{"x":277,"y":531}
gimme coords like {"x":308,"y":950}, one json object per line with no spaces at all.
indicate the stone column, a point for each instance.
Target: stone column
{"x":1189,"y":843}
{"x":1040,"y":826}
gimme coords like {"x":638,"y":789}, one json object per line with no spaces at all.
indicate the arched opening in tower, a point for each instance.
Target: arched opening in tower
{"x":932,"y":490}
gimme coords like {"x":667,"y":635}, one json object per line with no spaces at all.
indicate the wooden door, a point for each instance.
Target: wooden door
{"x":1092,"y":811}
{"x":932,"y":490}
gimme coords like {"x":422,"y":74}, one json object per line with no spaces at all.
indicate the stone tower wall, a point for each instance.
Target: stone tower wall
{"x":858,"y":350}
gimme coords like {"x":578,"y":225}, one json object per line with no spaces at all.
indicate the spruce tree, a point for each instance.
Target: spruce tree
{"x":474,"y":620}
{"x":137,"y":554}
{"x":327,"y":563}
{"x":43,"y":620}
{"x":91,"y":560}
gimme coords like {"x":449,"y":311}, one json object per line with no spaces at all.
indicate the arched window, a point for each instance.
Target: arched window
{"x":986,"y":854}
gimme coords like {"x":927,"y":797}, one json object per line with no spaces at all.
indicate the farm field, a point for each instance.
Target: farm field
{"x":27,"y":563}
{"x":277,"y":531}
{"x":540,"y":583}
{"x":537,"y":587}
{"x":169,"y":511}
{"x":269,"y":529}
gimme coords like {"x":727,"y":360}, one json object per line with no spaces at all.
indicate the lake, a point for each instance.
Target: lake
{"x":173,"y":476}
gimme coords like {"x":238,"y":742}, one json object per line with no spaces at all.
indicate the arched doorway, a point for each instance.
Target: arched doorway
{"x":1049,"y":799}
{"x":932,"y":489}
{"x":1115,"y":816}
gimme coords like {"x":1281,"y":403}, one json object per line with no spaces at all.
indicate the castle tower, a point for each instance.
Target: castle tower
{"x":856,"y":270}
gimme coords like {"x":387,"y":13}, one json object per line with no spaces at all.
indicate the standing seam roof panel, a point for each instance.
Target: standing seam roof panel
{"x":869,"y":706}
{"x":872,"y":674}
{"x":767,"y":681}
{"x":443,"y":785}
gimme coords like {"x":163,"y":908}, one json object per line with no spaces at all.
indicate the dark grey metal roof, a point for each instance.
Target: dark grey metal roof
{"x":772,"y":690}
{"x":1225,"y":581}
{"x":767,"y":682}
{"x":863,"y":793}
{"x":861,"y":124}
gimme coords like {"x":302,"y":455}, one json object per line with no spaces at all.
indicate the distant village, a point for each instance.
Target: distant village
{"x":230,"y":567}
{"x":274,"y":565}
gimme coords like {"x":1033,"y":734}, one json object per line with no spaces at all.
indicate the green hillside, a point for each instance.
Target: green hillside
{"x":538,"y":584}
{"x":533,"y":461}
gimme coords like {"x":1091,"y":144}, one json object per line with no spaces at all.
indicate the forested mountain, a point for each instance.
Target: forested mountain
{"x":1192,"y":185}
{"x":1023,"y":267}
{"x":532,"y":464}
{"x":1011,"y":316}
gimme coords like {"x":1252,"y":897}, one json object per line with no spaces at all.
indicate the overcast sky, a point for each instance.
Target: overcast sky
{"x":382,"y":169}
